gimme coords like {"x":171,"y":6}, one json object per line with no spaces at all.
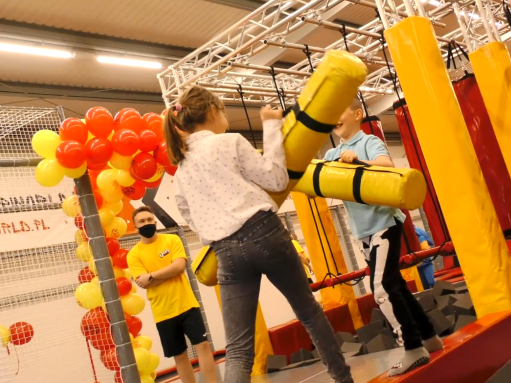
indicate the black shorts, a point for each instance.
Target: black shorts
{"x":172,"y":332}
{"x":310,"y":281}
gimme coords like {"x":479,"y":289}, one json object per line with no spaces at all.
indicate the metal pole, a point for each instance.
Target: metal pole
{"x":289,"y":223}
{"x":347,"y":246}
{"x":19,"y":162}
{"x":97,"y":241}
{"x":484,"y":20}
{"x":194,"y":284}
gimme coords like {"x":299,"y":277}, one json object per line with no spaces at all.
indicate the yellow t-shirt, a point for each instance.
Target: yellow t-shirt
{"x":300,"y":250}
{"x":174,"y":296}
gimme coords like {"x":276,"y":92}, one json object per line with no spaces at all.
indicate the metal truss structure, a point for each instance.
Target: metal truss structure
{"x":230,"y":63}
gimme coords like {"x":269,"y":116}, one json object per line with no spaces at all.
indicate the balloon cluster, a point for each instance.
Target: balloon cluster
{"x":129,"y":151}
{"x":95,"y":324}
{"x":18,"y":334}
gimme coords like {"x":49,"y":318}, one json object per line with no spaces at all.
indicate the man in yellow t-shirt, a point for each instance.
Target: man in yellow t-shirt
{"x":158,"y":263}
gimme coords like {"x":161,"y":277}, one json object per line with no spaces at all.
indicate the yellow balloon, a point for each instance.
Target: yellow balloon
{"x":107,"y":182}
{"x":120,"y":162}
{"x":76,"y":173}
{"x":155,"y":361}
{"x":118,"y":272}
{"x":132,"y":338}
{"x":89,"y":135}
{"x":142,"y":357}
{"x":117,"y":228}
{"x":81,"y":237}
{"x":124,"y":178}
{"x":45,"y":143}
{"x":132,"y":304}
{"x":154,"y":375}
{"x":103,"y":306}
{"x":88,"y":296}
{"x":49,"y":173}
{"x":92,"y":264}
{"x":71,"y":206}
{"x":133,"y":288}
{"x":105,"y":216}
{"x":84,"y":252}
{"x":145,"y":378}
{"x":159,"y":173}
{"x":127,"y":274}
{"x":144,"y":342}
{"x":95,"y":281}
{"x":112,"y":197}
{"x":115,"y":208}
{"x":5,"y":335}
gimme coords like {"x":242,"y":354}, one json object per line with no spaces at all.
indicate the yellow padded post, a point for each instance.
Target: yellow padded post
{"x":492,"y":68}
{"x":340,"y":294}
{"x":453,"y":164}
{"x":263,"y":346}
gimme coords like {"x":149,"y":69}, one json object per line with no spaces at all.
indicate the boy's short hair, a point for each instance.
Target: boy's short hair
{"x":356,"y":104}
{"x":140,"y":210}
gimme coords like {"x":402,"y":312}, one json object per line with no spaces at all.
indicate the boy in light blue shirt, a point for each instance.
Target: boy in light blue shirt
{"x":378,"y":230}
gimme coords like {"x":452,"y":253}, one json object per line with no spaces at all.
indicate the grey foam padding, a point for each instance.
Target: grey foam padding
{"x":301,"y":364}
{"x":356,"y":348}
{"x":275,"y":363}
{"x":380,"y":343}
{"x":346,"y":337}
{"x":428,"y":303}
{"x":503,"y":375}
{"x":440,"y":322}
{"x":369,"y":331}
{"x":377,"y":316}
{"x":443,"y":288}
{"x":301,"y":356}
{"x":465,"y":320}
{"x":464,"y":306}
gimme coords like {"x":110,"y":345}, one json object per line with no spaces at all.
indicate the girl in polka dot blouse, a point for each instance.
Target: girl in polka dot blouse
{"x":221,"y":185}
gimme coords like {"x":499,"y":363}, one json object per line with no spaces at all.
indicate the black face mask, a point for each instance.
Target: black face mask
{"x":148,"y":230}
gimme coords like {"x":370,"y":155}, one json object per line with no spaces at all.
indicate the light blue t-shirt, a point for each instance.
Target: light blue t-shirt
{"x":366,"y":220}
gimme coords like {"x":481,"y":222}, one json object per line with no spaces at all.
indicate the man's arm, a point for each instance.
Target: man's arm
{"x":176,"y":268}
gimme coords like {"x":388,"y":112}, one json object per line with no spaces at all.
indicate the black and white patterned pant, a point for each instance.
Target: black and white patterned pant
{"x":406,"y":316}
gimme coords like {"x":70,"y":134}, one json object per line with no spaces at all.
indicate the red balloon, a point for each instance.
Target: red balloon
{"x":161,"y":154}
{"x":96,"y":167}
{"x":113,"y":246}
{"x":73,"y":129}
{"x":120,"y":258}
{"x":123,"y":285}
{"x":125,"y":142}
{"x":148,"y":141}
{"x":21,"y":333}
{"x":79,"y":222}
{"x":127,"y":318}
{"x":71,"y":154}
{"x":109,"y":359}
{"x":85,"y":275}
{"x":154,"y":184}
{"x":128,"y":119}
{"x":99,"y":150}
{"x":102,"y":341}
{"x":99,"y":122}
{"x":94,"y":322}
{"x":135,"y":191}
{"x":97,"y":196}
{"x":144,"y":166}
{"x":154,"y":122}
{"x":170,"y":169}
{"x":135,"y":326}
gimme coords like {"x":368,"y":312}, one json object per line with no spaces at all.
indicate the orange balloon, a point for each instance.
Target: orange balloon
{"x":129,"y":119}
{"x":99,"y":122}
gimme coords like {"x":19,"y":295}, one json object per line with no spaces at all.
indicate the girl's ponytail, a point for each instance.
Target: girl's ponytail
{"x":176,"y":146}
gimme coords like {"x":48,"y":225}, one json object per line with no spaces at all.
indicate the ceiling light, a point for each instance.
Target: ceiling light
{"x":35,"y":51}
{"x":432,"y":2}
{"x":129,"y":62}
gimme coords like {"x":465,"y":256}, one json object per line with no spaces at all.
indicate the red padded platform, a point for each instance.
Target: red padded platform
{"x":471,"y":355}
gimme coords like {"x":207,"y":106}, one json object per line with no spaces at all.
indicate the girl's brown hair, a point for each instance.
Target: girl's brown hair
{"x":192,"y":109}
